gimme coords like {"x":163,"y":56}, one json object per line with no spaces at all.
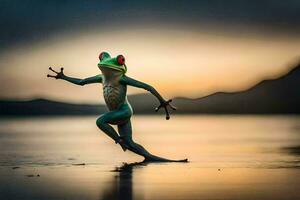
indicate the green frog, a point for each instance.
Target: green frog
{"x":115,"y":84}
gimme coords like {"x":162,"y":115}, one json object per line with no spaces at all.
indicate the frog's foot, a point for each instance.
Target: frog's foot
{"x":122,"y":143}
{"x":154,"y":158}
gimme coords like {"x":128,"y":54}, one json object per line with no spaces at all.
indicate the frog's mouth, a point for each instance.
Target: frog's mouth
{"x":113,"y":68}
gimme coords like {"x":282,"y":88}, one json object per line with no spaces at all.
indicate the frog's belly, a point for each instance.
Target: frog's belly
{"x":114,"y":96}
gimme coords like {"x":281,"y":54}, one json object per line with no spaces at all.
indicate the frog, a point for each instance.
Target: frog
{"x":114,"y":84}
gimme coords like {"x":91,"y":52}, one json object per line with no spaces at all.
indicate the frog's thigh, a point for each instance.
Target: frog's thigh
{"x":116,"y":117}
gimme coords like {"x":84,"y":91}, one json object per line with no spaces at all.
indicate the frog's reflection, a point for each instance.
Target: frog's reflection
{"x":122,"y":185}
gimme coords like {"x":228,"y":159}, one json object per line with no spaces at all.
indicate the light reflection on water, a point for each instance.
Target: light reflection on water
{"x":231,"y":156}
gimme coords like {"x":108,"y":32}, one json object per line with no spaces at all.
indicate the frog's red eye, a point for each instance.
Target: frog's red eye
{"x":120,"y":60}
{"x":101,"y":55}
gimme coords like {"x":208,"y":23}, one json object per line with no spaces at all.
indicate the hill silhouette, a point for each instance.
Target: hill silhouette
{"x":48,"y":107}
{"x":277,"y":96}
{"x":281,"y":95}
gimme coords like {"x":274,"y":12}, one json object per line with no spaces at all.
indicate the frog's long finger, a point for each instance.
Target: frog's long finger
{"x":173,"y":107}
{"x":50,"y":68}
{"x":167,"y":113}
{"x":168,"y":103}
{"x":157,"y":108}
{"x":48,"y":75}
{"x":62,"y":69}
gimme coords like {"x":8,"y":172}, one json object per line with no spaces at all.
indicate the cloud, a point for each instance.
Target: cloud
{"x":27,"y":20}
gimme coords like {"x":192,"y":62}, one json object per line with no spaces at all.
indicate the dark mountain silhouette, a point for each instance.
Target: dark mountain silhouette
{"x":277,"y":96}
{"x":280,"y":95}
{"x":47,"y":107}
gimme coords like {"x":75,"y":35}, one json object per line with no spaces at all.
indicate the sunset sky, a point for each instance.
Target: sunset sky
{"x":182,"y":48}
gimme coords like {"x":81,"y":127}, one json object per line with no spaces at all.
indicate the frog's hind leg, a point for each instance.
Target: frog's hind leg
{"x":125,"y":132}
{"x":104,"y":121}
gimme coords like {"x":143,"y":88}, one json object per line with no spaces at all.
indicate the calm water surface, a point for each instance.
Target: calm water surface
{"x":231,"y":157}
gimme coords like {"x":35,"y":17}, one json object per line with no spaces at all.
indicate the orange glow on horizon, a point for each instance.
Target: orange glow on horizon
{"x":176,"y":62}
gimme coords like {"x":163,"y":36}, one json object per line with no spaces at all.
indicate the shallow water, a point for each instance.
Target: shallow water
{"x":231,"y":157}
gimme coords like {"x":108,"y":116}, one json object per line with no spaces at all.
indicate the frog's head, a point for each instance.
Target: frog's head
{"x":106,"y":63}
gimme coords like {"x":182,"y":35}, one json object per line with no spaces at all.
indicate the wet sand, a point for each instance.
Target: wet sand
{"x":231,"y":157}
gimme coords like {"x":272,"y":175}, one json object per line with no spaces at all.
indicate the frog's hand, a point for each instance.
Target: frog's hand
{"x":58,"y":74}
{"x":130,"y":81}
{"x":165,"y":105}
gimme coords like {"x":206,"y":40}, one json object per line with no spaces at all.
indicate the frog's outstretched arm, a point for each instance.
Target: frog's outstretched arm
{"x":163,"y":103}
{"x":77,"y":81}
